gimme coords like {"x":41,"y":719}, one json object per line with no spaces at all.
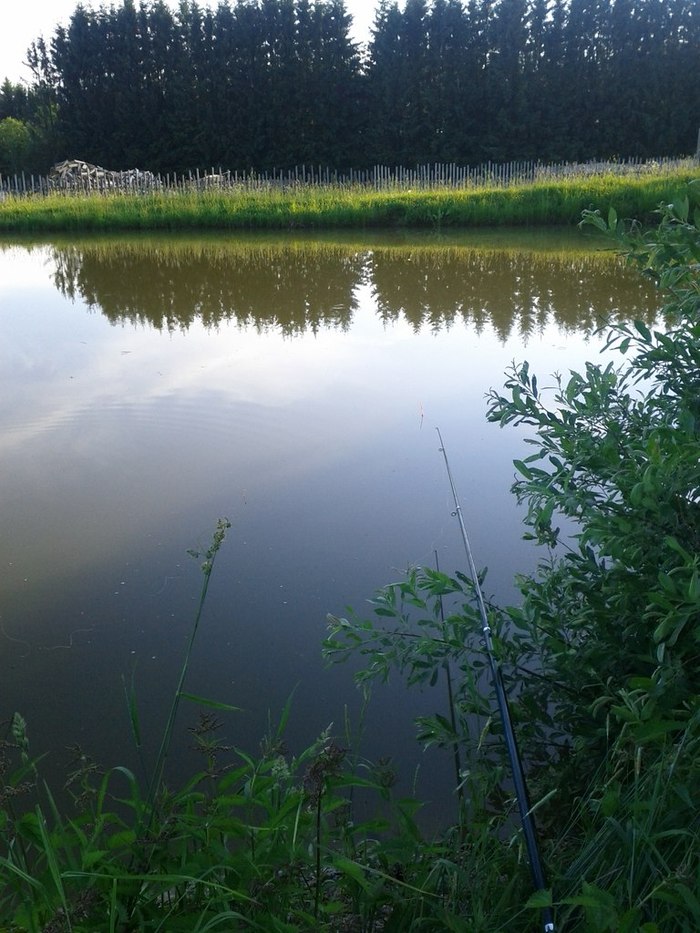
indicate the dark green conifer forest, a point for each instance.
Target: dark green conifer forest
{"x":262,"y":84}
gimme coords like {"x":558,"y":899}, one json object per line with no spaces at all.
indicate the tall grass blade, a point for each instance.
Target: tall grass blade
{"x":207,"y":566}
{"x":20,"y":873}
{"x":52,"y":862}
{"x":132,"y":706}
{"x":212,"y":704}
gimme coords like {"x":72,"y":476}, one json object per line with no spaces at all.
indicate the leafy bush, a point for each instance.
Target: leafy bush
{"x":15,"y":142}
{"x":602,"y":653}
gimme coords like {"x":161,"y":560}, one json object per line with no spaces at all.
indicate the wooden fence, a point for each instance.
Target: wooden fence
{"x":378,"y":178}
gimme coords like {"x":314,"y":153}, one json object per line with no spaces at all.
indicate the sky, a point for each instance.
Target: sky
{"x":40,"y":17}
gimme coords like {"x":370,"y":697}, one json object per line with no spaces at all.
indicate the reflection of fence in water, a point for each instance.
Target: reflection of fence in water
{"x":74,"y":175}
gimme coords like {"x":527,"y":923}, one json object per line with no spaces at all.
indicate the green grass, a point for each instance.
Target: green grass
{"x":541,"y":203}
{"x":268,"y":841}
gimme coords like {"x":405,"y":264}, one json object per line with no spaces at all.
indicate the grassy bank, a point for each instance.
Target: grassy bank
{"x":540,"y":203}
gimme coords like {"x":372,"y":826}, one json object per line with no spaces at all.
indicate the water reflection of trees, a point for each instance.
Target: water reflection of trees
{"x":175,"y":285}
{"x":510,"y":290}
{"x":299,"y":286}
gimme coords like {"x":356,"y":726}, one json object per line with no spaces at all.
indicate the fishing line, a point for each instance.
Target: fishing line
{"x":518,"y":773}
{"x":31,"y":647}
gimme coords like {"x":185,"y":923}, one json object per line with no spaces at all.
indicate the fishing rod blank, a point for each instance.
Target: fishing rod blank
{"x":521,"y":793}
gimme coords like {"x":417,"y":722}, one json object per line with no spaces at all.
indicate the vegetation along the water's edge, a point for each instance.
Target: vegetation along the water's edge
{"x":549,"y":202}
{"x":600,"y":660}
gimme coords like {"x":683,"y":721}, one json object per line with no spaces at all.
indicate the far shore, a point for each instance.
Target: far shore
{"x":319,"y":207}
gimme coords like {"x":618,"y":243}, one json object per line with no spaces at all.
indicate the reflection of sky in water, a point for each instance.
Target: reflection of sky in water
{"x":120,"y":445}
{"x":132,"y":414}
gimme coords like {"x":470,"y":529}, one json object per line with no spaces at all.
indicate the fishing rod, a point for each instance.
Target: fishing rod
{"x":516,"y":764}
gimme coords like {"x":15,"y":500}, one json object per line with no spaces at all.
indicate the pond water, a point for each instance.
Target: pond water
{"x":151,"y":385}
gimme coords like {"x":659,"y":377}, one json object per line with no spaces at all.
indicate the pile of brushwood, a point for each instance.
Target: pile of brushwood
{"x":600,"y":659}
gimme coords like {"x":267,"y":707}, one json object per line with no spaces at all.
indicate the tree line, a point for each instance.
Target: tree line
{"x":262,"y":84}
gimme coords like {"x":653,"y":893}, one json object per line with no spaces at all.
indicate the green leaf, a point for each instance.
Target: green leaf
{"x":610,"y":802}
{"x":694,"y":587}
{"x":625,"y":714}
{"x":121,"y":839}
{"x":212,"y":704}
{"x":539,"y":899}
{"x":648,"y":731}
{"x":673,"y":543}
{"x":91,"y":858}
{"x":664,"y":628}
{"x":585,"y":900}
{"x":643,"y":330}
{"x":522,"y":468}
{"x":13,"y":869}
{"x":681,"y":207}
{"x":352,"y":870}
{"x":683,"y":895}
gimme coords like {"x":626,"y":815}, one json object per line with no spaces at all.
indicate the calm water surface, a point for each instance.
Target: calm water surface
{"x":151,"y":385}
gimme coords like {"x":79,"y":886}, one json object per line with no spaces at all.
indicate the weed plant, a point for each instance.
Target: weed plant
{"x":314,"y":207}
{"x":267,"y":841}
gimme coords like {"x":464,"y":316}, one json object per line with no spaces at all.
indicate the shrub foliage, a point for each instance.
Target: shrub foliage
{"x":601,"y":655}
